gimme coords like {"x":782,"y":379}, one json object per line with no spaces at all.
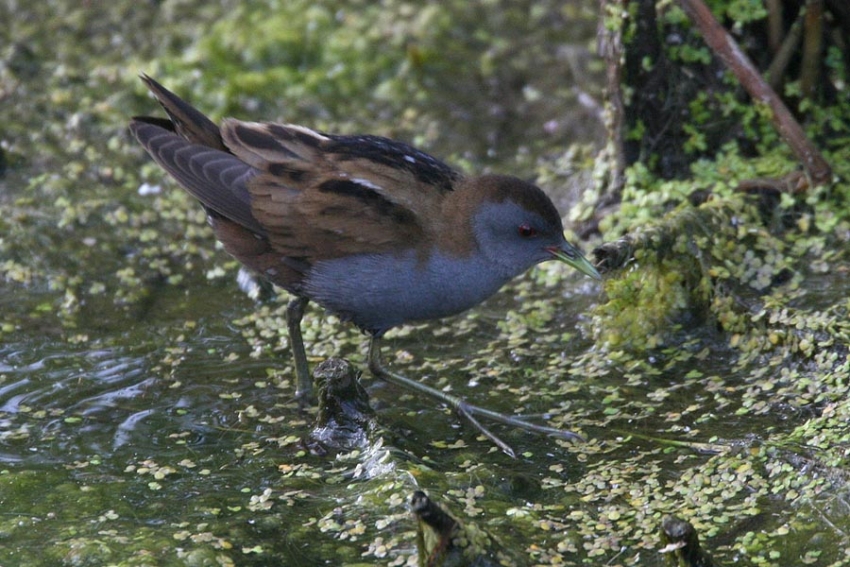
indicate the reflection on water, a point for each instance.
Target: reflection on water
{"x":114,"y":441}
{"x":61,"y":402}
{"x":64,"y":402}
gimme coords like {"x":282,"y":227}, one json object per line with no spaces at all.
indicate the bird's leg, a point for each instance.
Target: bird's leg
{"x":303,"y":382}
{"x":467,"y":410}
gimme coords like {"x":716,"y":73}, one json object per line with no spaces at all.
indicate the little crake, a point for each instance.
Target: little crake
{"x":371,"y":229}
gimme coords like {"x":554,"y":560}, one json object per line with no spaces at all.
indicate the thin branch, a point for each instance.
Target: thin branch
{"x":776,"y":72}
{"x":719,"y":40}
{"x":812,"y":47}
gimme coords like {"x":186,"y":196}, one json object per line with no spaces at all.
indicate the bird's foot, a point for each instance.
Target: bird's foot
{"x":462,"y":407}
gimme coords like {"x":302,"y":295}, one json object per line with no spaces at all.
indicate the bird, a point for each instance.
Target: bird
{"x":371,"y":229}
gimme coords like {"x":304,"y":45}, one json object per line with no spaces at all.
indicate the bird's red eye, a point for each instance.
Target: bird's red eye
{"x":527,"y":231}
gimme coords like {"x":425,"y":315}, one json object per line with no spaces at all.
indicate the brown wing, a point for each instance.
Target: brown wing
{"x":282,"y":197}
{"x":185,"y":120}
{"x":216,"y":178}
{"x":188,"y":146}
{"x":321,"y":196}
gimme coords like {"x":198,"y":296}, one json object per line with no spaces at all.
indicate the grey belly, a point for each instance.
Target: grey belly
{"x":378,"y":292}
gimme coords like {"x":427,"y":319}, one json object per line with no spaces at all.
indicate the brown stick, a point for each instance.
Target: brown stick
{"x":775,"y":74}
{"x":610,"y":47}
{"x":730,"y":53}
{"x":774,"y":24}
{"x":812,"y":47}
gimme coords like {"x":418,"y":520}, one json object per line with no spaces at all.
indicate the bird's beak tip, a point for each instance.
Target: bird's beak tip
{"x":577,"y":260}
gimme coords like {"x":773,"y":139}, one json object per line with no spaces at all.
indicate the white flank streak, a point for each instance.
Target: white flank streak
{"x":366,"y":183}
{"x":306,"y":131}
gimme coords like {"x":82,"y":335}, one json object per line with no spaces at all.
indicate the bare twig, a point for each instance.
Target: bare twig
{"x":776,"y":72}
{"x":812,"y":47}
{"x":731,"y":54}
{"x":774,"y":24}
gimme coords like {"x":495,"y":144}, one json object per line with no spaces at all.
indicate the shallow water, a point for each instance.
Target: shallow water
{"x":158,"y":449}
